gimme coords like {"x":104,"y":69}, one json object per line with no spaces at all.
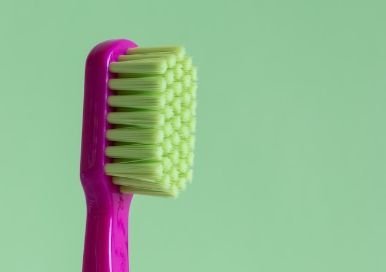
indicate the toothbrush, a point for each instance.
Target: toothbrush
{"x":137,"y":138}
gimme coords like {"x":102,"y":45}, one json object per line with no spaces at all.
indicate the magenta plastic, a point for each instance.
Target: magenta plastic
{"x":106,"y":238}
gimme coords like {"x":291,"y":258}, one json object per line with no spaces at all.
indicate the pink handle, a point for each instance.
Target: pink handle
{"x":106,"y":240}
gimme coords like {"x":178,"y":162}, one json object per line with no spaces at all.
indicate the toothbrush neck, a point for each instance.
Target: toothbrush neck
{"x":106,"y":240}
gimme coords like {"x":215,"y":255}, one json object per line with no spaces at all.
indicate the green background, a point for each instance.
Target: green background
{"x":291,"y":149}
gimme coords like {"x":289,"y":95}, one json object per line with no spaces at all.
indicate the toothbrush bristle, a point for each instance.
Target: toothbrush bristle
{"x":153,"y":110}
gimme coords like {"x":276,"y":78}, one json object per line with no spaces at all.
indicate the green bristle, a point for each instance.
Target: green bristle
{"x":177,"y":51}
{"x":167,"y":146}
{"x":175,"y":158}
{"x":148,"y":102}
{"x":182,"y":181}
{"x":192,"y":125}
{"x":168,"y":129}
{"x":152,"y":118}
{"x":169,"y":76}
{"x":170,"y":95}
{"x":184,"y":149}
{"x":176,"y":138}
{"x":191,"y":142}
{"x":140,"y":66}
{"x":165,"y":183}
{"x":187,"y":63}
{"x":189,"y":176}
{"x":135,"y":135}
{"x":173,"y":192}
{"x":174,"y":173}
{"x":148,"y":171}
{"x":177,"y":87}
{"x":146,"y":84}
{"x":168,"y":112}
{"x":186,"y":116}
{"x":137,"y":118}
{"x":190,"y":159}
{"x":183,"y":166}
{"x":169,"y":57}
{"x":176,"y":123}
{"x":194,"y":73}
{"x":193,"y":90}
{"x":178,"y":71}
{"x":185,"y":131}
{"x":177,"y":105}
{"x":186,"y":99}
{"x":193,"y":106}
{"x":187,"y":81}
{"x":137,"y":152}
{"x":167,"y":164}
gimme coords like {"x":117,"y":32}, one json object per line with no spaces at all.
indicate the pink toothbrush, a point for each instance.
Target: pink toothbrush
{"x":124,"y":154}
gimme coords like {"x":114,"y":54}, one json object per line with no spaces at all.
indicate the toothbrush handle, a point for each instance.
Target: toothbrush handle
{"x":106,"y":239}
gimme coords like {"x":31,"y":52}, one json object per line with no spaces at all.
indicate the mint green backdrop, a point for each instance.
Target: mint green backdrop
{"x":290,"y":167}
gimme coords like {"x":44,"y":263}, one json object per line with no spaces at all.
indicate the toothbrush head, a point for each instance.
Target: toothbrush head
{"x":153,"y":120}
{"x":145,"y":110}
